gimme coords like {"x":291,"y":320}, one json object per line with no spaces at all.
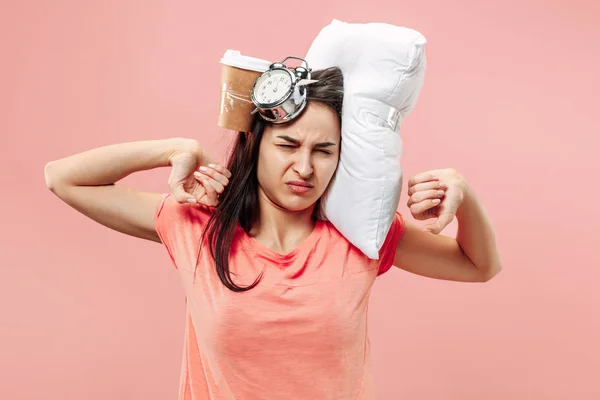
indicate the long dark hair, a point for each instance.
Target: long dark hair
{"x":239,"y":201}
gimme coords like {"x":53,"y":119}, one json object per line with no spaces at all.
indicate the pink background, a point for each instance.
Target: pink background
{"x":510,"y":100}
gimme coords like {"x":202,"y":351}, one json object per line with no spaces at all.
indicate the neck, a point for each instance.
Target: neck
{"x":280,"y":229}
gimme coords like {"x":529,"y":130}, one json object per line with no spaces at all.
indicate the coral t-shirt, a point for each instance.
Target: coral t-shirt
{"x":301,"y":333}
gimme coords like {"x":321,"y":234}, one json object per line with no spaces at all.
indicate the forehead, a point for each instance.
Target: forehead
{"x":318,"y":122}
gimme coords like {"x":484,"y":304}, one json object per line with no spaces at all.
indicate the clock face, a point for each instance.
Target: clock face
{"x":272,"y":86}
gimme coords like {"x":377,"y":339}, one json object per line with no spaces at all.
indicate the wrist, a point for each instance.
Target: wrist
{"x":177,"y":146}
{"x":468,"y":203}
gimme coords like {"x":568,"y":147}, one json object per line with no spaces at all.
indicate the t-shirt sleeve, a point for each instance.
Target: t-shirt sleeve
{"x":180,"y":228}
{"x":163,"y":223}
{"x":388,"y":250}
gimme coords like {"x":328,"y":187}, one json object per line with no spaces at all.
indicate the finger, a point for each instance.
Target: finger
{"x":427,"y":186}
{"x":427,"y":194}
{"x":211,"y":193}
{"x":440,"y":223}
{"x":421,"y":207}
{"x":218,"y":176}
{"x":421,"y":178}
{"x":182,"y":196}
{"x":216,"y":185}
{"x":219,"y":168}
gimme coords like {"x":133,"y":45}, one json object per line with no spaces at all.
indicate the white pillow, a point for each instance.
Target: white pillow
{"x":383,"y":67}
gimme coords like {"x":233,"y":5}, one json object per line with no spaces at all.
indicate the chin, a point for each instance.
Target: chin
{"x":297,"y":204}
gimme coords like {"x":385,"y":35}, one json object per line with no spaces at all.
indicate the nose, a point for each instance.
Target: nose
{"x":303,"y":164}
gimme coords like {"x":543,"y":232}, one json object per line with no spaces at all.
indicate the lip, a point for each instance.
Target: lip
{"x":300,"y":183}
{"x":299,"y":187}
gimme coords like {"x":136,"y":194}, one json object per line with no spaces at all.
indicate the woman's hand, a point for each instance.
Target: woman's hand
{"x":191,"y":182}
{"x":436,"y":194}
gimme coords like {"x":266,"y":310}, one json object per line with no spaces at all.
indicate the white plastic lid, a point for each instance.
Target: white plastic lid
{"x":235,"y":59}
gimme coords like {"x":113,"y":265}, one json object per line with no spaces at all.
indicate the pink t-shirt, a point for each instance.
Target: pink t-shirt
{"x":301,"y":333}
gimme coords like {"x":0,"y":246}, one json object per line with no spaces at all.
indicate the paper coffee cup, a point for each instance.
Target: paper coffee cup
{"x":238,"y":75}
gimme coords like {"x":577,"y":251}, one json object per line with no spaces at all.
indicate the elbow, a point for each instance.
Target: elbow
{"x":48,"y":176}
{"x":490,"y":273}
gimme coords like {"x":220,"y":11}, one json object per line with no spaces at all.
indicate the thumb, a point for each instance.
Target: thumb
{"x":177,"y":178}
{"x":181,"y":195}
{"x":439,"y":224}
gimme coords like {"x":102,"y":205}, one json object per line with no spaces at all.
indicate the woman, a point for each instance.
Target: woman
{"x":276,"y":297}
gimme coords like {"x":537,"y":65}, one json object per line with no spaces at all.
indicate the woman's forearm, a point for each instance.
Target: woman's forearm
{"x":109,"y":164}
{"x":476,"y":235}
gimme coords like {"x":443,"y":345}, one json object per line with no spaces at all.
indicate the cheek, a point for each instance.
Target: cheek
{"x":261,"y":172}
{"x":327,"y":170}
{"x":269,"y":169}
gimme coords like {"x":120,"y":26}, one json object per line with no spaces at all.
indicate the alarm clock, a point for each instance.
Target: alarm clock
{"x":279,"y":93}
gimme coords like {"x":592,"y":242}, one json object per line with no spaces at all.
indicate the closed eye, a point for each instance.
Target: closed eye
{"x":324,"y":151}
{"x":290,"y":146}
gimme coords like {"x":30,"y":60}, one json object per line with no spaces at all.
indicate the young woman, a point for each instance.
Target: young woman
{"x":276,"y":297}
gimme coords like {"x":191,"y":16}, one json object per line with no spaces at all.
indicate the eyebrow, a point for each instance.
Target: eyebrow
{"x":297,"y":142}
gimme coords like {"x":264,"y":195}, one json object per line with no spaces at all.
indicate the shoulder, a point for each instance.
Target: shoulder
{"x":387,"y":252}
{"x":338,"y":244}
{"x":333,"y":234}
{"x":171,"y":215}
{"x":171,"y":208}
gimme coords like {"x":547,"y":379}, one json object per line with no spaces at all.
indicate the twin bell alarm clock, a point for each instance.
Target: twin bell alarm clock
{"x":279,"y":93}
